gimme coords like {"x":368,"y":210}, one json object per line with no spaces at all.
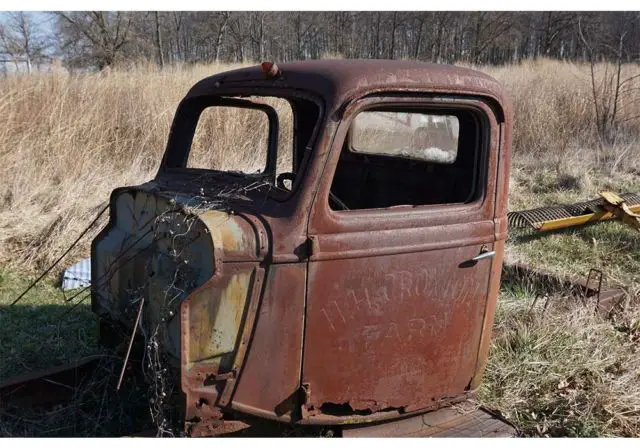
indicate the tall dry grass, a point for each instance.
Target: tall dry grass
{"x":67,"y":141}
{"x":558,"y":155}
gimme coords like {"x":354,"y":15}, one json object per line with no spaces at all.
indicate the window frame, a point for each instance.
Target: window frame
{"x":180,"y":154}
{"x":428,"y":103}
{"x":302,"y":154}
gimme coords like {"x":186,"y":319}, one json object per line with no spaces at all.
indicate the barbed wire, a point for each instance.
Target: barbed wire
{"x":55,"y":263}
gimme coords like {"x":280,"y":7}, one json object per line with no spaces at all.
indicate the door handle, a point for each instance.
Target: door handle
{"x":483,"y":255}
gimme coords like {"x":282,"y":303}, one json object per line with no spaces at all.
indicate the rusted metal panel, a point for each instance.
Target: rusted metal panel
{"x":219,"y":427}
{"x":214,"y":315}
{"x":245,"y":336}
{"x":405,"y":329}
{"x":405,"y":309}
{"x":462,"y":420}
{"x":339,"y":81}
{"x":213,"y":320}
{"x":489,"y":312}
{"x":270,"y":378}
{"x":611,"y":301}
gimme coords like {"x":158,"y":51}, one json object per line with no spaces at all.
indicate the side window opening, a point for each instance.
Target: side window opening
{"x":416,"y":157}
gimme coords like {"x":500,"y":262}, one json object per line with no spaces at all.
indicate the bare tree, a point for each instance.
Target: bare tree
{"x":22,"y":40}
{"x":158,"y":39}
{"x":100,"y":38}
{"x":239,"y":31}
{"x":8,"y":46}
{"x":487,"y":27}
{"x":554,"y":25}
{"x":608,"y":86}
{"x":220,"y":35}
{"x":97,"y":37}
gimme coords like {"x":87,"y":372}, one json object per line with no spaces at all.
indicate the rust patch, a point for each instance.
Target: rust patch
{"x":270,"y":377}
{"x":399,"y":324}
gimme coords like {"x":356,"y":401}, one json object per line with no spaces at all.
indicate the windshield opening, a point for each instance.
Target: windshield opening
{"x":243,"y":135}
{"x":263,"y":138}
{"x":249,"y":137}
{"x":230,"y":139}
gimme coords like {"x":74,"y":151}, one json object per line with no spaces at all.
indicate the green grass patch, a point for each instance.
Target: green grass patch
{"x":566,"y":372}
{"x":41,"y":330}
{"x":612,"y":247}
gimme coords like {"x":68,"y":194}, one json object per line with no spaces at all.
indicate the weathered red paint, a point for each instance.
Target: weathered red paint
{"x":354,"y":317}
{"x":275,"y":347}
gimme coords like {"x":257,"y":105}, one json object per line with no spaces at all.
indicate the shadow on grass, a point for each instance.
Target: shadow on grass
{"x":40,"y":336}
{"x":33,"y":337}
{"x":95,"y":407}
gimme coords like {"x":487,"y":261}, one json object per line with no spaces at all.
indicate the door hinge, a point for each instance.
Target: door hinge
{"x":305,"y":399}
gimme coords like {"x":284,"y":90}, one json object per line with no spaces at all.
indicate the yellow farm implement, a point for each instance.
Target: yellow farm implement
{"x":625,"y":207}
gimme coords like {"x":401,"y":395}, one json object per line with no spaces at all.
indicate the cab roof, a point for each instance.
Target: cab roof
{"x":338,"y":81}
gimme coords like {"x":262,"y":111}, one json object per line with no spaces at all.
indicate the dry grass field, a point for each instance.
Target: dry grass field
{"x":66,"y":142}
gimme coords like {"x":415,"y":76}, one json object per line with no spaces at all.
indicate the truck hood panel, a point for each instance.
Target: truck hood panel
{"x":167,"y":250}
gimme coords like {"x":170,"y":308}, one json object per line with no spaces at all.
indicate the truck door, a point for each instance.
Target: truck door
{"x":404,"y":260}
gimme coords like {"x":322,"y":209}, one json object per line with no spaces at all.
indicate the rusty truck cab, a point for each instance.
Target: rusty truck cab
{"x":355,"y":289}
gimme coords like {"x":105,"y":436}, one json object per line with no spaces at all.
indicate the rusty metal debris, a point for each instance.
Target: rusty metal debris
{"x":133,"y":335}
{"x":463,"y":420}
{"x":595,"y":275}
{"x":547,"y":284}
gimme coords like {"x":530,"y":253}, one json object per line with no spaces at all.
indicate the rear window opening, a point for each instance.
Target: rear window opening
{"x":393,"y":157}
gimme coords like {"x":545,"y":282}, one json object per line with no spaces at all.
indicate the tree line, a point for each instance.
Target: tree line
{"x":100,"y":39}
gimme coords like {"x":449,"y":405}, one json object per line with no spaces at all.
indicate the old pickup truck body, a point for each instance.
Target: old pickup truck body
{"x":271,"y":303}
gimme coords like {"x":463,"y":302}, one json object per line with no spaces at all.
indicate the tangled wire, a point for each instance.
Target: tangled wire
{"x":161,"y":388}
